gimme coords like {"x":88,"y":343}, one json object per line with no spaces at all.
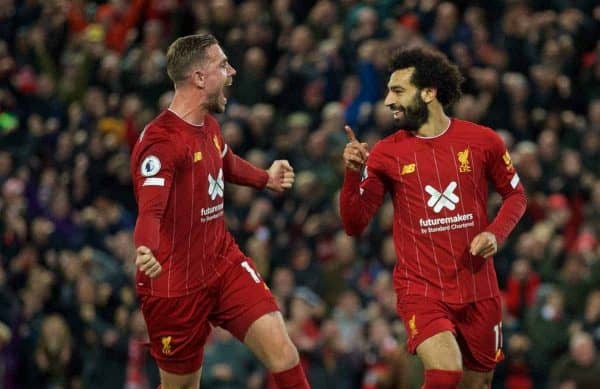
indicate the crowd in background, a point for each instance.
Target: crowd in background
{"x":79,"y":79}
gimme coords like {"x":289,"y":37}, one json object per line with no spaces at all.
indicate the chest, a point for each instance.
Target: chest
{"x":202,"y":165}
{"x":426,"y":171}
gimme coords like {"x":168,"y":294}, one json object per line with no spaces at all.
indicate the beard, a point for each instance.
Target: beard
{"x":218,"y":101}
{"x":415,"y":115}
{"x":214,"y":105}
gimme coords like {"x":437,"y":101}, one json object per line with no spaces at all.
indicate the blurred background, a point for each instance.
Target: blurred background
{"x":80,"y":79}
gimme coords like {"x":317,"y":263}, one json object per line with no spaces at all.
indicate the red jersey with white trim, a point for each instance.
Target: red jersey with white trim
{"x":439,"y":188}
{"x":178,"y":172}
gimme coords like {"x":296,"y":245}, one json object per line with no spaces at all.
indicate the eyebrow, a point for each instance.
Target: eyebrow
{"x":396,"y":87}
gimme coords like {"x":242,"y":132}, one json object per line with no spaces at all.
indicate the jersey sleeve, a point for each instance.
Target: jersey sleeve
{"x":360,"y":197}
{"x":153,"y":170}
{"x":500,"y":170}
{"x":239,"y":171}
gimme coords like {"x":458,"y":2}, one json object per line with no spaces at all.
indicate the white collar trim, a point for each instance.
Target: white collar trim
{"x":438,"y":135}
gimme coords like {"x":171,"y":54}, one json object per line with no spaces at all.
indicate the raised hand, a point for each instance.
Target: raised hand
{"x":146,"y":262}
{"x":281,"y":176}
{"x":484,"y":244}
{"x":355,"y":153}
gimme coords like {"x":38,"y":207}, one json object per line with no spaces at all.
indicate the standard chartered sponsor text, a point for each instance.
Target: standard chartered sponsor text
{"x":447,"y":223}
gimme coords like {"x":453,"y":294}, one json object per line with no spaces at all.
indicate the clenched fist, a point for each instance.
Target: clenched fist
{"x":281,"y":176}
{"x":146,"y":262}
{"x":355,"y":153}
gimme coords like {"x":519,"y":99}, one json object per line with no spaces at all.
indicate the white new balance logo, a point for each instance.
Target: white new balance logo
{"x":216,"y":186}
{"x":445,"y":199}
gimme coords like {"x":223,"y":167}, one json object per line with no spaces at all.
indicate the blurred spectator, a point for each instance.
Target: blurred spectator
{"x":55,"y":361}
{"x":547,"y":327}
{"x":521,"y":288}
{"x":229,"y":364}
{"x":580,"y":367}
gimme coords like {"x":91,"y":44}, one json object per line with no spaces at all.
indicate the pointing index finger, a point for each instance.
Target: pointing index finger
{"x":350,"y":134}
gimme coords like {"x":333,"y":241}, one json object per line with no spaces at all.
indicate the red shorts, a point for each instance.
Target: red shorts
{"x":178,"y":327}
{"x":477,"y":327}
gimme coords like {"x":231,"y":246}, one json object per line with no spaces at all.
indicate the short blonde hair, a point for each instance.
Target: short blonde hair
{"x":185,"y":52}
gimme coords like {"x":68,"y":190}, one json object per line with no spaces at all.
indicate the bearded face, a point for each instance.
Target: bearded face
{"x":218,"y":75}
{"x":405,"y":101}
{"x":412,"y":116}
{"x":217,"y":101}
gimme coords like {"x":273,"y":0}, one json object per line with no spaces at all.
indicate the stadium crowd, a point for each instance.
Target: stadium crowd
{"x":79,"y":80}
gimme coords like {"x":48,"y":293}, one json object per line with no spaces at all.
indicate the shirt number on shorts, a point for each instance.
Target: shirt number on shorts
{"x":498,"y":336}
{"x":250,"y":270}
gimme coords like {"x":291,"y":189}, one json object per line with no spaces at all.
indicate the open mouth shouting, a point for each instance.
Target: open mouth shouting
{"x":227,"y":84}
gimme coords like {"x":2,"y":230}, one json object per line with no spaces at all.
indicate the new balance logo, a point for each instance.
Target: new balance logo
{"x":216,"y":186}
{"x":440,"y":200}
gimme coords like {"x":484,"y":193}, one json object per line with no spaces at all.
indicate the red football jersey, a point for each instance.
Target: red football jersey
{"x":439,"y":187}
{"x":178,"y":172}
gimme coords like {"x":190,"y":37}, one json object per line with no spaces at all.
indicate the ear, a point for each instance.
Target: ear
{"x":428,"y":94}
{"x":198,"y":79}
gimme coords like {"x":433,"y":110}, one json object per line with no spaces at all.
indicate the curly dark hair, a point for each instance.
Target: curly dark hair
{"x":432,"y":70}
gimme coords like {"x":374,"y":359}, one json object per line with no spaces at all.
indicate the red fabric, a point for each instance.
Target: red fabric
{"x":410,"y":21}
{"x":571,"y":232}
{"x":521,"y":294}
{"x":76,"y":17}
{"x":180,"y":205}
{"x":233,"y":303}
{"x":118,"y":24}
{"x":442,"y":379}
{"x":439,"y":187}
{"x":241,"y":172}
{"x":518,"y":375}
{"x":476,"y":326}
{"x":178,"y":328}
{"x":135,"y":375}
{"x":132,"y":134}
{"x":293,"y":378}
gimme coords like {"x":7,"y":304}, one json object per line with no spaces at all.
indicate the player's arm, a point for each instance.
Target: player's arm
{"x":279,"y":177}
{"x":152,"y":174}
{"x":359,"y":200}
{"x":500,"y":170}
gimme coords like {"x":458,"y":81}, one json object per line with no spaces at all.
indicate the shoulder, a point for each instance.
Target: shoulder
{"x":157,"y":133}
{"x":398,"y":138}
{"x":480,"y":136}
{"x":212,"y":124}
{"x":161,"y":129}
{"x":210,"y":120}
{"x":392,"y":145}
{"x":476,"y":131}
{"x":386,"y":148}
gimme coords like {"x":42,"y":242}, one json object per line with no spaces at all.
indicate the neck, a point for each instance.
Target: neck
{"x":437,"y":123}
{"x":189,"y":106}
